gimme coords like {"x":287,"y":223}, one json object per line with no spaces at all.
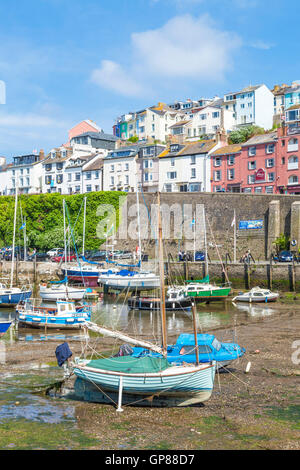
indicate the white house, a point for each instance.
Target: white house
{"x":254,"y":105}
{"x":187,"y":167}
{"x":53,"y":170}
{"x":26,"y":173}
{"x":120,"y":172}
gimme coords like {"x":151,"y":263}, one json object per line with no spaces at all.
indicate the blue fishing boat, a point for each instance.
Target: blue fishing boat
{"x":209,"y":348}
{"x":65,"y":316}
{"x":4,"y":326}
{"x":10,"y":297}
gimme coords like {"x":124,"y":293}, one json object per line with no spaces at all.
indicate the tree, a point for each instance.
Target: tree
{"x":282,"y":242}
{"x":244,"y":133}
{"x":133,"y":139}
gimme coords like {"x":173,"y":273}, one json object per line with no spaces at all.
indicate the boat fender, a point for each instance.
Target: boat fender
{"x":248,"y":368}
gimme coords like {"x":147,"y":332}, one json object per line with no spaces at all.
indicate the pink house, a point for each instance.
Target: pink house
{"x":226,"y":169}
{"x":288,"y":157}
{"x":81,"y":128}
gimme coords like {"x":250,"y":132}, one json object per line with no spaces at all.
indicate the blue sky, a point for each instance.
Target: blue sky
{"x":67,"y":60}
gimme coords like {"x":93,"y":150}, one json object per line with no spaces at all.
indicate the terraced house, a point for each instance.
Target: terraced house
{"x":186,"y":167}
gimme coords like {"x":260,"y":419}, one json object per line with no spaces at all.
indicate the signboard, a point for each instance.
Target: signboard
{"x":250,"y":224}
{"x":260,"y":175}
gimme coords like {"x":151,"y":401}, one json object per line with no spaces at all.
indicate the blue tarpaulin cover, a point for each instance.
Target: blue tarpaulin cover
{"x":63,"y":353}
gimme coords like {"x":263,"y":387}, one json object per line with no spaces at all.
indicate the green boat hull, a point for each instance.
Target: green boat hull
{"x":210,"y":295}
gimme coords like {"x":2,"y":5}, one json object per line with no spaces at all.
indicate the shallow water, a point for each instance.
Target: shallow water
{"x":20,"y":407}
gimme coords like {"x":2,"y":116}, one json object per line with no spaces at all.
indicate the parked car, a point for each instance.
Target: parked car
{"x":97,"y":256}
{"x":62,"y":258}
{"x":39,"y":257}
{"x":55,"y":252}
{"x":120,"y":254}
{"x":284,"y":256}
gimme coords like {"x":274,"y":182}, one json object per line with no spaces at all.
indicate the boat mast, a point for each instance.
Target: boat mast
{"x":84,"y":222}
{"x":14,"y":234}
{"x":65,"y":241}
{"x":162,"y":282}
{"x":205,"y":242}
{"x":138,"y":221}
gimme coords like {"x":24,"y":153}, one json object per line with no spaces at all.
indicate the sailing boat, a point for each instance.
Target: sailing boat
{"x":145,"y":381}
{"x":11,"y":296}
{"x":131,"y":280}
{"x":203,"y":290}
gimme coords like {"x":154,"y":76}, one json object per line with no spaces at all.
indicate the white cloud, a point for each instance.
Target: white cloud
{"x":29,"y":120}
{"x":186,"y":47}
{"x":113,"y":77}
{"x":261,"y":45}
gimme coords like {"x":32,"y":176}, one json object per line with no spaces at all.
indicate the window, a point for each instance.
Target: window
{"x":269,"y":189}
{"x":172,"y":161}
{"x":88,"y":175}
{"x":215,"y":114}
{"x":282,"y":143}
{"x":97,"y":174}
{"x":126,"y":166}
{"x":171,"y":175}
{"x":48,"y":167}
{"x":77,"y":189}
{"x":112,"y":180}
{"x":271,"y":177}
{"x":230,"y":174}
{"x":69,"y":177}
{"x":242,"y":105}
{"x":27,"y":181}
{"x":88,"y":188}
{"x":112,"y":167}
{"x":59,"y":179}
{"x":252,"y":165}
{"x":270,"y":148}
{"x":59,"y":166}
{"x":283,"y":160}
{"x":251,"y":179}
{"x":270,"y":162}
{"x":293,"y":163}
{"x":258,"y":189}
{"x":217,"y":175}
{"x":251,"y":151}
{"x":293,"y":179}
{"x":193,"y":172}
{"x":193,"y":160}
{"x":292,"y":145}
{"x":168,"y":188}
{"x":48,"y":179}
{"x":230,"y":159}
{"x":77,"y":176}
{"x":217,"y":161}
{"x":126,"y":179}
{"x":247,"y":190}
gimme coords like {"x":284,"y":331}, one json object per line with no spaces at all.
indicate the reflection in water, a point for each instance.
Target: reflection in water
{"x":146,"y":323}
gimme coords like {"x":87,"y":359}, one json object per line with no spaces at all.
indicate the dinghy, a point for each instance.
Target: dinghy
{"x":4,"y":326}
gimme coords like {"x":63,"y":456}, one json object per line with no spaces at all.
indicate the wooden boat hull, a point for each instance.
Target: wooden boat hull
{"x":181,"y":385}
{"x":138,"y":303}
{"x":89,"y":392}
{"x":4,"y":327}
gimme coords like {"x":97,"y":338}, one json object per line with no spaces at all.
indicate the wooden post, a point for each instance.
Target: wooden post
{"x":247,"y":275}
{"x":270,"y":273}
{"x":195,"y":332}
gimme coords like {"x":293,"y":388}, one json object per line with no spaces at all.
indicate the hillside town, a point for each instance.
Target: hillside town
{"x":184,"y":146}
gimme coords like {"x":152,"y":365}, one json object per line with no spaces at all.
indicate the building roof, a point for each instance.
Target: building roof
{"x":261,"y":139}
{"x":179,"y":124}
{"x":97,"y":164}
{"x":83,"y":158}
{"x":97,"y":135}
{"x":295,"y":106}
{"x":227,"y":150}
{"x":192,"y":148}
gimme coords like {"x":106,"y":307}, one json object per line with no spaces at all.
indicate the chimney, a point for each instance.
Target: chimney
{"x":42,"y":154}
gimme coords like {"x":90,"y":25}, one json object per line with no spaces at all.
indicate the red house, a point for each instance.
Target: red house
{"x":225,"y":169}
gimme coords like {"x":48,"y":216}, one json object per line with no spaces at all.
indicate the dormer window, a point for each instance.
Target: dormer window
{"x":174,"y":148}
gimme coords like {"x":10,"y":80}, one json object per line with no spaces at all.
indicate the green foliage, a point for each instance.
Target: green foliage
{"x":133,"y":139}
{"x":282,"y":242}
{"x":244,"y":133}
{"x":44,"y":218}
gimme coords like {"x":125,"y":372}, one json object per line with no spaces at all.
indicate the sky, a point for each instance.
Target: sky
{"x":62,"y":61}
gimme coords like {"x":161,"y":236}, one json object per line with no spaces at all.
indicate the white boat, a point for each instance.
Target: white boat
{"x":61,"y":292}
{"x":65,"y":315}
{"x":125,"y":279}
{"x":256,"y":294}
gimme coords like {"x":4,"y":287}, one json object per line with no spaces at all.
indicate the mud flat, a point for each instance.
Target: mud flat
{"x":255,"y":410}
